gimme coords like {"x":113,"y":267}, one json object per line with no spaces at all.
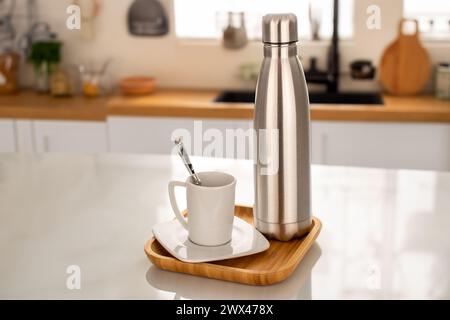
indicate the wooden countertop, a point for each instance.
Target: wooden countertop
{"x":395,"y":109}
{"x":179,"y":103}
{"x":198,"y":104}
{"x":29,"y":105}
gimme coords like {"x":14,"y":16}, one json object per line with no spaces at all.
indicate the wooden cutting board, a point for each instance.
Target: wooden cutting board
{"x":265,"y":268}
{"x":405,"y":66}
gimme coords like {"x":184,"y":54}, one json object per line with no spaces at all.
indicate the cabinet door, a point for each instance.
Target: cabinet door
{"x":7,"y":141}
{"x":385,"y":145}
{"x":201,"y":137}
{"x":146,"y":135}
{"x":70,"y":136}
{"x":318,"y":137}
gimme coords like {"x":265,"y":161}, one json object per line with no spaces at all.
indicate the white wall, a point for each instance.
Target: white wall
{"x":203,"y":64}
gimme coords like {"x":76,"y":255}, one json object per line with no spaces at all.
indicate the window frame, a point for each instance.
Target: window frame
{"x":213,"y":41}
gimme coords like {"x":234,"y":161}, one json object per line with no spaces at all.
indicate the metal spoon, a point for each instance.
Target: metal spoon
{"x":187,"y":162}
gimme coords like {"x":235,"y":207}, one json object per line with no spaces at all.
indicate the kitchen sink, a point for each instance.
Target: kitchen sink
{"x":366,"y":98}
{"x":236,"y":97}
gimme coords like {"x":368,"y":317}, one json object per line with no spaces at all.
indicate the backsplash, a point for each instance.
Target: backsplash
{"x":201,"y":63}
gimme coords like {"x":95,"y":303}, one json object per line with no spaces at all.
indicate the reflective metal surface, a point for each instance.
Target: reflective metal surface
{"x":280,"y":28}
{"x":282,"y":124}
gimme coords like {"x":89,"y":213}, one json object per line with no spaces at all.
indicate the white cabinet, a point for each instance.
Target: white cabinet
{"x":7,"y":139}
{"x":70,"y":136}
{"x":155,"y":135}
{"x":360,"y":144}
{"x":144,"y":135}
{"x":384,"y":145}
{"x":364,"y":144}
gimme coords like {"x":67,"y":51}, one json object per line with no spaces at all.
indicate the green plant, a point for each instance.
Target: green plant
{"x":45,"y":52}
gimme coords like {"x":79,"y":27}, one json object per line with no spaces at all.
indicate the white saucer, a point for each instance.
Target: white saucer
{"x":246,"y":240}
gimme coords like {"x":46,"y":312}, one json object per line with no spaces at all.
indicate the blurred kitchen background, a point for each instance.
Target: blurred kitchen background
{"x":191,"y":55}
{"x":139,"y":69}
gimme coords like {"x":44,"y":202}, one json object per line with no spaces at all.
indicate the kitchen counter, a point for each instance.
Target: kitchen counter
{"x":385,"y":233}
{"x":198,"y":104}
{"x":29,"y":105}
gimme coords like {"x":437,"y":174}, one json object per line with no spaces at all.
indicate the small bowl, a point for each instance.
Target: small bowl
{"x":137,"y":86}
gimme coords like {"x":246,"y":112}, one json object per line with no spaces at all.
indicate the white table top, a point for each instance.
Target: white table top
{"x":386,"y":234}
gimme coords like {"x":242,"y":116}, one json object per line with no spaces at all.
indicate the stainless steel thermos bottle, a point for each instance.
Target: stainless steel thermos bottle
{"x":282,"y":168}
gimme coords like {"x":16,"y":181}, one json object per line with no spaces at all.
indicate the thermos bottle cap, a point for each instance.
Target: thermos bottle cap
{"x":280,"y":28}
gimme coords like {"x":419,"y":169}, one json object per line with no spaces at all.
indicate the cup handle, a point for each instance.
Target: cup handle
{"x":173,"y":201}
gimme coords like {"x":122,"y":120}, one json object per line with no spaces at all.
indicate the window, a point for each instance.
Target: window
{"x":205,"y":19}
{"x":433,"y":17}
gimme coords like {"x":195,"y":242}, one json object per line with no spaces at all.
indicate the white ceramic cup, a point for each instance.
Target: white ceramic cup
{"x":210,"y":208}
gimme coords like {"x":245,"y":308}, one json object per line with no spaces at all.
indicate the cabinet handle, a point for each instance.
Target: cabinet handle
{"x":46,"y":144}
{"x":324,"y":148}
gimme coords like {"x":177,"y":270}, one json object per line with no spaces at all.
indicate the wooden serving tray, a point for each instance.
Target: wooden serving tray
{"x":265,"y":268}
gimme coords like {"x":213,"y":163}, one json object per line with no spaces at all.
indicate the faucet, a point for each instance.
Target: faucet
{"x":330,"y":77}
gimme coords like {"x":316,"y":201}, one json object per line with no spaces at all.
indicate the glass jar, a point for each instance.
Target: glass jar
{"x":9,"y":69}
{"x":61,"y":84}
{"x":443,"y":81}
{"x":93,"y":78}
{"x":42,"y":74}
{"x":91,"y":84}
